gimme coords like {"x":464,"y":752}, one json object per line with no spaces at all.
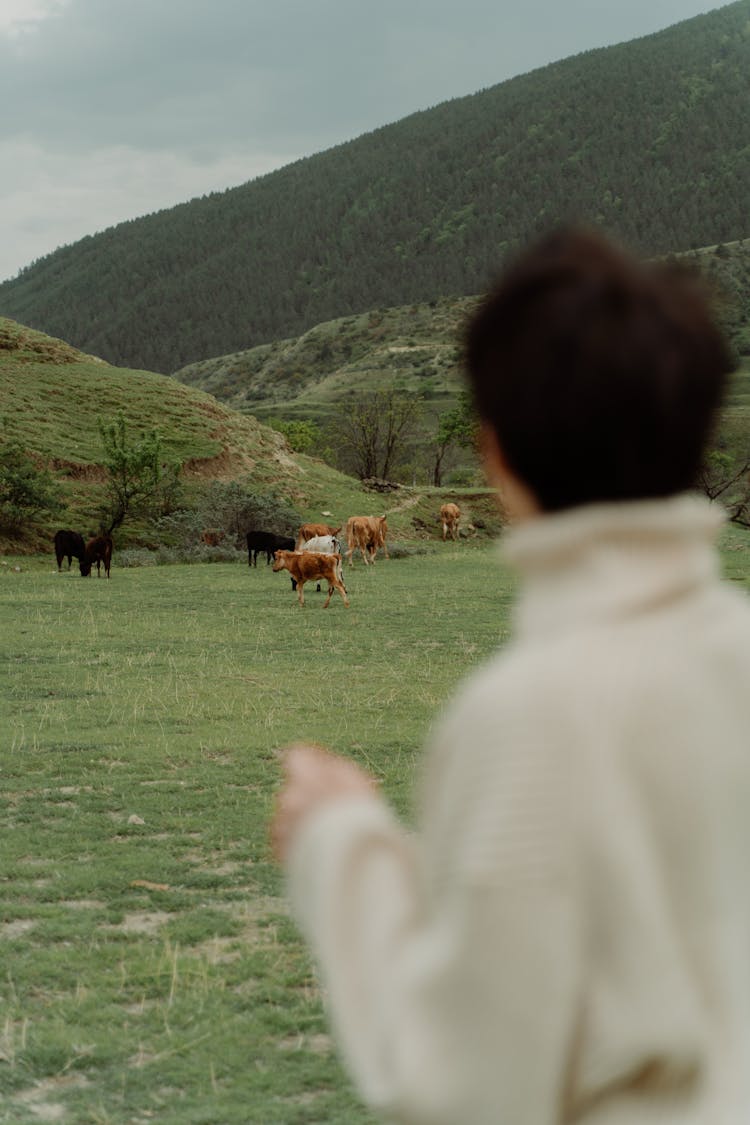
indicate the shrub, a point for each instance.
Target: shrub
{"x":234,"y":507}
{"x":26,"y":491}
{"x":168,"y":556}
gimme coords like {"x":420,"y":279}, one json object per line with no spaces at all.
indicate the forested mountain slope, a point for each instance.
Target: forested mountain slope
{"x":650,"y":138}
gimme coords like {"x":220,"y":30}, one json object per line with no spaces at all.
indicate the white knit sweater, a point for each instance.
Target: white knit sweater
{"x":567,"y":938}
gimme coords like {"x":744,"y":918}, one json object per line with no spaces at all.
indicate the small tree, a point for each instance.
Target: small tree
{"x":374,"y":430}
{"x":457,"y":427}
{"x":726,"y":477}
{"x":135,"y":471}
{"x":303,"y":435}
{"x":26,"y":491}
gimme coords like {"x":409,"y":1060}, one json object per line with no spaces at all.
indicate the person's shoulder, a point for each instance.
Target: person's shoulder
{"x":521,"y":673}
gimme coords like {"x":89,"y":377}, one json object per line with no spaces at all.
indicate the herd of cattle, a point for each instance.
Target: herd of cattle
{"x":314,"y":556}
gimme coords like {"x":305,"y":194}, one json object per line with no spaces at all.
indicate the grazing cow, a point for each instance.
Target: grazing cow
{"x":368,"y":533}
{"x":98,"y":550}
{"x":70,"y":545}
{"x":311,"y":530}
{"x":265,"y":543}
{"x":308,"y":566}
{"x":450,"y":514}
{"x":213,"y":536}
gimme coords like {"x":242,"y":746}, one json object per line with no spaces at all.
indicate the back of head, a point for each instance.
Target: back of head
{"x":601,"y":375}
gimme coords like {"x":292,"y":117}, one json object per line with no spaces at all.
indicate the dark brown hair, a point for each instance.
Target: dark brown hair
{"x":600,"y":375}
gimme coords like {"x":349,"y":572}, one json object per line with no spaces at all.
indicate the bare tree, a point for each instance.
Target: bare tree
{"x":374,"y":429}
{"x":726,"y":476}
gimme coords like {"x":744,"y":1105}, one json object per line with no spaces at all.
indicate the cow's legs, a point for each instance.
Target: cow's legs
{"x":300,"y":591}
{"x":336,"y":586}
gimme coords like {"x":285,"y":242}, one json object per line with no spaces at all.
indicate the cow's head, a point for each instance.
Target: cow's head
{"x":85,"y":566}
{"x":280,"y":559}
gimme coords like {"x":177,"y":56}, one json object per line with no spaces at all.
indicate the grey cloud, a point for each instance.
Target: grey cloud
{"x":300,"y":73}
{"x":119,"y":107}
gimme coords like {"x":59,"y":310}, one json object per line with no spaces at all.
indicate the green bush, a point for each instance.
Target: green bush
{"x":26,"y":491}
{"x":234,"y":507}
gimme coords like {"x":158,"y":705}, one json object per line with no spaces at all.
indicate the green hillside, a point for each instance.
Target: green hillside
{"x":53,"y":397}
{"x":650,"y":138}
{"x":414,"y":347}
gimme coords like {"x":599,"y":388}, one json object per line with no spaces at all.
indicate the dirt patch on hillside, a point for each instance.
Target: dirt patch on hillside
{"x":224,"y":466}
{"x":39,"y":1097}
{"x":29,"y":346}
{"x":11,"y":930}
{"x":147,"y":922}
{"x":77,"y":471}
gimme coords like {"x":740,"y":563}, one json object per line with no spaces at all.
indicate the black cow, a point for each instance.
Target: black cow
{"x":98,"y":550}
{"x":70,"y":545}
{"x":266,"y":542}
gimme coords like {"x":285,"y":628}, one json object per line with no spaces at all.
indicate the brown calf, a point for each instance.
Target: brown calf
{"x":98,"y":550}
{"x":213,"y":536}
{"x":450,"y":514}
{"x":310,"y":530}
{"x":366,"y":533}
{"x":308,"y":566}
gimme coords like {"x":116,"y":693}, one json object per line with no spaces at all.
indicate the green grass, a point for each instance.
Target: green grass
{"x":164,"y":695}
{"x":140,"y":722}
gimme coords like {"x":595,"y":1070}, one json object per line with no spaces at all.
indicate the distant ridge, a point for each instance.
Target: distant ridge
{"x":650,"y":138}
{"x":416,"y":348}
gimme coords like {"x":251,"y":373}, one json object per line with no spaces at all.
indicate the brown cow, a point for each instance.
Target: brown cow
{"x":450,"y":514}
{"x":310,"y":530}
{"x":213,"y":536}
{"x":98,"y":550}
{"x":308,"y":566}
{"x":368,"y":533}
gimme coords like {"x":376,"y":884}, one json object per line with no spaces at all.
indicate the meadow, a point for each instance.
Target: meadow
{"x":148,"y":967}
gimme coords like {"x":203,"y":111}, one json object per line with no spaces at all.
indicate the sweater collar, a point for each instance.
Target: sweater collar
{"x":601,"y":562}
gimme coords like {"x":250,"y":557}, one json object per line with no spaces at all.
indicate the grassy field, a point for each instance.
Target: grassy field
{"x":149,"y":970}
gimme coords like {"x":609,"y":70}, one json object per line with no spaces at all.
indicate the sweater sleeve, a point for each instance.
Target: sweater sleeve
{"x":456,"y":1003}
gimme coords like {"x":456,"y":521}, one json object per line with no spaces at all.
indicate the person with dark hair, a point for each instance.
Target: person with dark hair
{"x":566,"y":937}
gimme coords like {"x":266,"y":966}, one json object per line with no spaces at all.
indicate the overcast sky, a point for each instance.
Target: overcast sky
{"x":116,"y":108}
